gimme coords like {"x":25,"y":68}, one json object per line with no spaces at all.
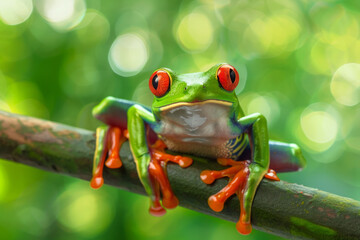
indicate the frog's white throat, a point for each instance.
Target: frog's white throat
{"x":202,"y":126}
{"x":197,"y":122}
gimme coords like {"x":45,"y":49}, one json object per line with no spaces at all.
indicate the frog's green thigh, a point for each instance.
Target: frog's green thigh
{"x":113,"y":111}
{"x":137,"y":116}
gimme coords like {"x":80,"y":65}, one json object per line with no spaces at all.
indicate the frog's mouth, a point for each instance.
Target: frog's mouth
{"x":195,"y":102}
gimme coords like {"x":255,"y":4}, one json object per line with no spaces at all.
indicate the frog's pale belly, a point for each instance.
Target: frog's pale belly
{"x":201,"y":128}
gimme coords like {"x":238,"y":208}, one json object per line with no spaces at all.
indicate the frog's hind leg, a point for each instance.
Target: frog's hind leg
{"x":108,"y":144}
{"x":286,"y":157}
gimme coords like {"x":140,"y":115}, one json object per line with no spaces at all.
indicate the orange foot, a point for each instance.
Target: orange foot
{"x":159,"y":180}
{"x":238,"y":173}
{"x":114,"y":138}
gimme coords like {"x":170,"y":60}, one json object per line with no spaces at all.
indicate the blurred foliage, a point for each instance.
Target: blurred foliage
{"x":299,"y":65}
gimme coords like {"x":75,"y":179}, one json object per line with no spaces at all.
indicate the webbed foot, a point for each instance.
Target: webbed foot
{"x":239,"y":174}
{"x":108,"y":143}
{"x":159,"y":180}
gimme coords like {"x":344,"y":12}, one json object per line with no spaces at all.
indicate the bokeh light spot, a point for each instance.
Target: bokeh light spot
{"x":94,"y":28}
{"x":195,"y":32}
{"x":260,"y":35}
{"x":335,"y":41}
{"x":345,"y":84}
{"x":259,"y":104}
{"x":31,"y":107}
{"x":62,"y":14}
{"x":24,"y":97}
{"x":81,"y":210}
{"x":319,"y":124}
{"x":14,"y":12}
{"x":4,"y":106}
{"x":266,"y":105}
{"x":128,"y":54}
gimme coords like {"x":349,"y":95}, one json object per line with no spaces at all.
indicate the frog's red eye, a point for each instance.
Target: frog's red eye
{"x":159,"y":83}
{"x":228,"y":77}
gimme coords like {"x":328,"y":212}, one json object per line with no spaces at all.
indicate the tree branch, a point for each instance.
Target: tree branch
{"x":281,"y":208}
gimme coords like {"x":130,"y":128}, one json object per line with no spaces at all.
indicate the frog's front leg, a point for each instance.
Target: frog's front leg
{"x":255,"y":126}
{"x":151,"y":161}
{"x":244,"y":176}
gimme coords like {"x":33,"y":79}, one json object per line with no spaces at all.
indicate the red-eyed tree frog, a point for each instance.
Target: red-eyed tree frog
{"x":199,"y":114}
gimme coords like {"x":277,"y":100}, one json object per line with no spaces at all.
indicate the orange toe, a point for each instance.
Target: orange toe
{"x":157,"y":211}
{"x":183,"y":162}
{"x":215,"y":203}
{"x":207,"y":177}
{"x":170,"y":202}
{"x":243,"y":228}
{"x":113,"y":162}
{"x":271,"y":174}
{"x":96,"y":182}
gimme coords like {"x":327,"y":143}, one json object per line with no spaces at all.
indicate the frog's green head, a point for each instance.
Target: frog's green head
{"x":215,"y":85}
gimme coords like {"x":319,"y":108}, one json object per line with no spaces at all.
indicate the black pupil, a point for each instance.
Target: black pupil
{"x":155,"y":81}
{"x":232,"y":75}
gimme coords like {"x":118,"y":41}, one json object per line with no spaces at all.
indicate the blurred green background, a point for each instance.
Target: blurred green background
{"x":299,"y":65}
